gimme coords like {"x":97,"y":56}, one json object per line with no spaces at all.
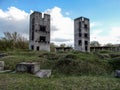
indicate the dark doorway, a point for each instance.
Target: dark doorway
{"x":86,"y":43}
{"x":86,"y":48}
{"x":37,"y":48}
{"x":32,"y":47}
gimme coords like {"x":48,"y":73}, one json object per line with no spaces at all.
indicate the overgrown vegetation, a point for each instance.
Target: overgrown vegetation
{"x":71,"y":63}
{"x":29,"y":82}
{"x":70,"y":70}
{"x":13,"y":41}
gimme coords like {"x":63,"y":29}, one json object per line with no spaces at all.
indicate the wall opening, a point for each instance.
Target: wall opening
{"x":37,"y":48}
{"x":32,"y":36}
{"x":42,"y":39}
{"x":86,"y":35}
{"x":85,"y":26}
{"x":79,"y":30}
{"x":80,"y":35}
{"x":33,"y":21}
{"x":32,"y":47}
{"x":86,"y":43}
{"x":79,"y":42}
{"x":86,"y":48}
{"x":42,"y":28}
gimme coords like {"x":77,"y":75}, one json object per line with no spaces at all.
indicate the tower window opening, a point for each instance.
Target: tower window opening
{"x":32,"y":47}
{"x":79,"y":42}
{"x":85,"y":26}
{"x":86,"y":43}
{"x":80,"y":24}
{"x":42,"y":28}
{"x":42,"y":39}
{"x":86,"y":35}
{"x":86,"y":48}
{"x":80,"y":34}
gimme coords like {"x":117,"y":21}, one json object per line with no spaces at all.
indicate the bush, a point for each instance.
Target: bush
{"x":114,"y":55}
{"x":115,"y":63}
{"x":71,"y":66}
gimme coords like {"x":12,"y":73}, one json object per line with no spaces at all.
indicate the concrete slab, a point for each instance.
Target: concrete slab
{"x":30,"y":67}
{"x":43,"y":73}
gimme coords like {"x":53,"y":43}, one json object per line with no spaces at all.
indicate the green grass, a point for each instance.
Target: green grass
{"x":29,"y":82}
{"x":70,"y":71}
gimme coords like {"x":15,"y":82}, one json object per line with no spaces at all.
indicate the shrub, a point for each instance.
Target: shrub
{"x":114,"y":55}
{"x":115,"y":63}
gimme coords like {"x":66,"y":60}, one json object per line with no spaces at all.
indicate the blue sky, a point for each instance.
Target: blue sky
{"x":103,"y":14}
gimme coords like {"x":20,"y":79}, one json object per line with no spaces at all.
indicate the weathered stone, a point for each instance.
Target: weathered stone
{"x":117,"y":73}
{"x":82,"y":34}
{"x":28,"y":67}
{"x":39,"y":31}
{"x":43,"y":73}
{"x":1,"y":65}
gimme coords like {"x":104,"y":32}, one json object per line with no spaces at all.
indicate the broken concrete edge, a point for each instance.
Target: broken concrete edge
{"x":44,"y":73}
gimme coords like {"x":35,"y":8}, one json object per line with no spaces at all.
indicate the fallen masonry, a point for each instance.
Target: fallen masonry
{"x":43,"y":73}
{"x":33,"y":68}
{"x":117,"y":73}
{"x":30,"y":67}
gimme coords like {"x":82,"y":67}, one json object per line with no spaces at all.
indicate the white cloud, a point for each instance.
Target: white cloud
{"x":62,"y":30}
{"x":112,"y":36}
{"x":62,"y":27}
{"x":13,"y":20}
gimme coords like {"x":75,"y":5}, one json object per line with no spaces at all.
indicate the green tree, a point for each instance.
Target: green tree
{"x":63,"y":45}
{"x":94,"y":44}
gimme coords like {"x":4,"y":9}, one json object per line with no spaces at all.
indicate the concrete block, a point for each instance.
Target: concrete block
{"x":43,"y":73}
{"x":30,"y":67}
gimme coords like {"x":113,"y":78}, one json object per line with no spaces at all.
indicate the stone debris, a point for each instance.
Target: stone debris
{"x":117,"y":73}
{"x":43,"y":73}
{"x":30,"y":67}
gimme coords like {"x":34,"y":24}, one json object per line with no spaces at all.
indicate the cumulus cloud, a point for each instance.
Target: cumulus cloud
{"x":112,"y":36}
{"x":62,"y":27}
{"x":13,"y":20}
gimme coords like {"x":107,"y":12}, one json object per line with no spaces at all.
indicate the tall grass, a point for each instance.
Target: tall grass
{"x":29,"y":82}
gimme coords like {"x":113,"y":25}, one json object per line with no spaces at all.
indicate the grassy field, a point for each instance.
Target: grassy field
{"x":70,"y":71}
{"x":30,"y":82}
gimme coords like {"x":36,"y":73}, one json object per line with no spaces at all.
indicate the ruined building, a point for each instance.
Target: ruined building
{"x":82,"y":34}
{"x":39,"y":34}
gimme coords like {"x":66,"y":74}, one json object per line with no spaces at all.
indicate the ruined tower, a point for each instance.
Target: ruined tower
{"x":39,"y":34}
{"x":82,"y":34}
